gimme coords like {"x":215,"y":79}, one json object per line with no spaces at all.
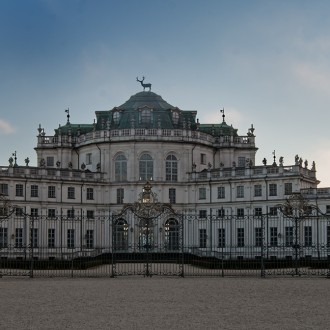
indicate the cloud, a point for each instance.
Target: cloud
{"x":313,"y":77}
{"x":318,"y":47}
{"x":5,"y":127}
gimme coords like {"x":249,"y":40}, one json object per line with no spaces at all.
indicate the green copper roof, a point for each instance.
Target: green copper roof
{"x":162,"y":114}
{"x":149,"y":99}
{"x":218,"y":129}
{"x":159,"y":113}
{"x":74,"y":129}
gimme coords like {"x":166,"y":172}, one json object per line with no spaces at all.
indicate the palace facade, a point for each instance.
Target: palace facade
{"x":91,"y":171}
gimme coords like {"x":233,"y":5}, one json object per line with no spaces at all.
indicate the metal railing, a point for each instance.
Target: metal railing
{"x":171,"y":245}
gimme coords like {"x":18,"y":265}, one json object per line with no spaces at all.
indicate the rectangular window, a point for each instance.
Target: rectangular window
{"x":70,"y":214}
{"x":202,"y":193}
{"x":328,"y":236}
{"x":90,"y":194}
{"x":240,"y":191}
{"x":171,"y":168}
{"x":3,"y":237}
{"x":288,"y":236}
{"x":34,"y":237}
{"x":273,"y":210}
{"x":4,"y":189}
{"x":240,"y":237}
{"x":258,"y":236}
{"x":19,"y":237}
{"x":51,"y":213}
{"x":288,"y":188}
{"x":19,"y":190}
{"x":202,"y":238}
{"x":240,"y":213}
{"x":241,"y":162}
{"x":51,"y":192}
{"x":172,"y":195}
{"x":221,"y":212}
{"x":90,"y":214}
{"x":327,"y":209}
{"x":34,"y":191}
{"x":88,"y":159}
{"x":51,"y":237}
{"x":308,"y":236}
{"x":221,"y":192}
{"x":273,"y":236}
{"x":19,"y":211}
{"x":70,"y":238}
{"x":203,"y":159}
{"x":71,"y":193}
{"x":50,"y":161}
{"x":272,"y":189}
{"x":120,"y":195}
{"x":221,"y":237}
{"x":202,"y":214}
{"x":34,"y":212}
{"x":258,"y":211}
{"x":3,"y":211}
{"x":257,"y":190}
{"x":90,"y":239}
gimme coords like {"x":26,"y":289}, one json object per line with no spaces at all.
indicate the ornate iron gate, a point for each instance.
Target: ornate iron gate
{"x":147,"y":238}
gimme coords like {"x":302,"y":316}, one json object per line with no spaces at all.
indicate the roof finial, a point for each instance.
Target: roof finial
{"x":68,"y":115}
{"x":274,"y":157}
{"x":223,"y":114}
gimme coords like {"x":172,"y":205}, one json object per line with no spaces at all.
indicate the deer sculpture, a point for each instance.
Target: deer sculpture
{"x":144,"y":85}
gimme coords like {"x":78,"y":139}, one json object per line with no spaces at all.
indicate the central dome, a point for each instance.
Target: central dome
{"x":150,"y":99}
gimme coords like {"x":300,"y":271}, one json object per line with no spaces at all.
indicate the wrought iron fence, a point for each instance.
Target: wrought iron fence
{"x":166,"y":243}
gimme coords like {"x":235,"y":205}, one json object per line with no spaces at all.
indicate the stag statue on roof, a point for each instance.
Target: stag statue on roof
{"x":144,"y":85}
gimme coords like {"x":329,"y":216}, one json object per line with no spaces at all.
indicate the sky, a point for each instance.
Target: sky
{"x":267,"y":63}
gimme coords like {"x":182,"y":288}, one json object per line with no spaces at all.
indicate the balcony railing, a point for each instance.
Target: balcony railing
{"x":254,"y":172}
{"x":143,"y":134}
{"x":39,"y":172}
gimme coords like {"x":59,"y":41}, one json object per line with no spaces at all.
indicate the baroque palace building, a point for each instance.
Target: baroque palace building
{"x":93,"y":170}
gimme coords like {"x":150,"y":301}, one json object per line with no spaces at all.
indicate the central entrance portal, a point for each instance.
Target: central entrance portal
{"x":147,"y":238}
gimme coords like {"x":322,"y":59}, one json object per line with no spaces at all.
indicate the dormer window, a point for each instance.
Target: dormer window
{"x":145,"y":116}
{"x":175,"y":117}
{"x":116,"y":117}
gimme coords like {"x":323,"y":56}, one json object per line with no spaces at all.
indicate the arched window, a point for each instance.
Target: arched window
{"x":171,"y":168}
{"x":120,"y":168}
{"x":146,"y":167}
{"x":120,"y":235}
{"x":172,"y":234}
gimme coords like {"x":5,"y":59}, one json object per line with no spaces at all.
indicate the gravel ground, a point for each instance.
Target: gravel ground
{"x":164,"y":303}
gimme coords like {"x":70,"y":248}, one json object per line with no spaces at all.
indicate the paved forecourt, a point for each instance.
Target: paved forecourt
{"x":135,"y":302}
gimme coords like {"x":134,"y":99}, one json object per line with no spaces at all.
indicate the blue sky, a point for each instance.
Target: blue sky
{"x":265,"y":62}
